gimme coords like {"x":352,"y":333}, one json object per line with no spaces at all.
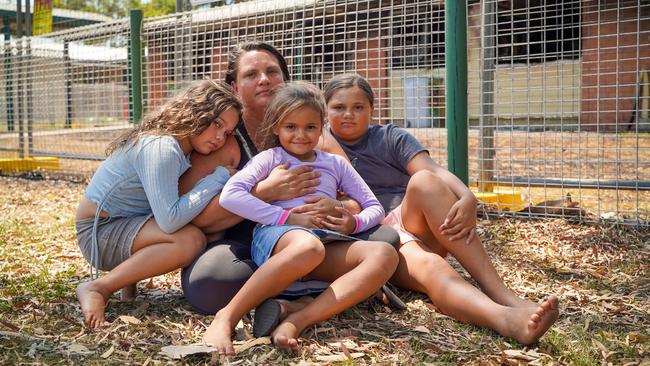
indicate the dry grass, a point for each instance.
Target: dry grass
{"x":601,"y":274}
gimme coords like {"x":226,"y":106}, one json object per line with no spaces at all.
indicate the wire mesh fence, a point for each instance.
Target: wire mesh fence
{"x":559,"y":97}
{"x":559,"y":91}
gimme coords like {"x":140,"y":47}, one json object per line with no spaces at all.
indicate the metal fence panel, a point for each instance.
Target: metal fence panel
{"x":558,"y":94}
{"x":559,"y":90}
{"x":65,"y":95}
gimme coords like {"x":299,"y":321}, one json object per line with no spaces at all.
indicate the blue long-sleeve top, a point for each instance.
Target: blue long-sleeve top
{"x":142,"y":178}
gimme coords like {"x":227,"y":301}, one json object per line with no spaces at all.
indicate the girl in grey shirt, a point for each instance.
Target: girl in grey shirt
{"x":131,"y":220}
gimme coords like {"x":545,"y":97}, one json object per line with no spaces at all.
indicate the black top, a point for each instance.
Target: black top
{"x":243,"y":231}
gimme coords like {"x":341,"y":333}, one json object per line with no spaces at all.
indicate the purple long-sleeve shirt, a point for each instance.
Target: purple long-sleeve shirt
{"x":336,"y":175}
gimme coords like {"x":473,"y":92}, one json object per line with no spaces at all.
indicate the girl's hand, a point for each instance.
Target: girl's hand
{"x":318,"y":206}
{"x":284,"y":183}
{"x":303,"y":220}
{"x":344,"y":224}
{"x":461,"y":220}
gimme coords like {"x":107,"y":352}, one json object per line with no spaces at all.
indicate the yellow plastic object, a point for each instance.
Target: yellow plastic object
{"x":503,"y":198}
{"x":29,"y":164}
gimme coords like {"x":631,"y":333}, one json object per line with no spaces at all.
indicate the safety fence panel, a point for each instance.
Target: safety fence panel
{"x":65,"y":96}
{"x":559,"y":106}
{"x":559,"y":90}
{"x":397,"y":46}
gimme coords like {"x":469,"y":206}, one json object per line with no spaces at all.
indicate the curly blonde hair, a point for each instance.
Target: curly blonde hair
{"x":288,"y":98}
{"x":188,"y":114}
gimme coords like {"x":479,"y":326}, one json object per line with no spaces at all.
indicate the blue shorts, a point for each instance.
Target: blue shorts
{"x":266,"y":236}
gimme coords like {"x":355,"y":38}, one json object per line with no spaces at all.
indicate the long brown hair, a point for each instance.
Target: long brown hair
{"x":186,"y":115}
{"x":288,"y":98}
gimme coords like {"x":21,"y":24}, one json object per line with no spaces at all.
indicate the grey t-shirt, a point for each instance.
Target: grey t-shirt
{"x":381,"y":157}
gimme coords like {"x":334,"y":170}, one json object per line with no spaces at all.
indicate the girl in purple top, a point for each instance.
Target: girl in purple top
{"x":294,"y":120}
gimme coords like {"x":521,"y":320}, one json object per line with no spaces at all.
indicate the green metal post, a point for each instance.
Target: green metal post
{"x":8,"y":74}
{"x":67,"y":66}
{"x":135,"y":67}
{"x":456,"y":64}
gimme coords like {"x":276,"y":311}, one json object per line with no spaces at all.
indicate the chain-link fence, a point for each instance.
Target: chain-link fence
{"x":559,"y":91}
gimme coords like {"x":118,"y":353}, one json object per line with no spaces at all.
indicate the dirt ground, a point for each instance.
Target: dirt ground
{"x":601,"y":274}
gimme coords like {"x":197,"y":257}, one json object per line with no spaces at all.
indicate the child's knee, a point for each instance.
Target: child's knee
{"x":427,"y":184}
{"x":385,"y":255}
{"x":192,"y":241}
{"x":309,"y":248}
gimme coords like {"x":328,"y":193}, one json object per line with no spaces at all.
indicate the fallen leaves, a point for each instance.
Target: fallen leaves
{"x":600,"y":272}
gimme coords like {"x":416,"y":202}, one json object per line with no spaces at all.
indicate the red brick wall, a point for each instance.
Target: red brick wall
{"x":615,"y":48}
{"x":372,"y":63}
{"x":156,"y":76}
{"x":219,"y":62}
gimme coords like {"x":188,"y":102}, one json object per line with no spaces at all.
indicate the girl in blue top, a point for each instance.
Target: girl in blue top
{"x":434,"y":213}
{"x":131,"y":220}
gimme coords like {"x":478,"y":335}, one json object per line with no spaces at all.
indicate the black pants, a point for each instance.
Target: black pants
{"x":214,"y":278}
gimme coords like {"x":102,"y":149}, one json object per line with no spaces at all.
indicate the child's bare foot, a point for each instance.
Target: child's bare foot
{"x":129,"y":292}
{"x":272,"y":312}
{"x":93,"y":302}
{"x":285,"y":336}
{"x":507,"y":297}
{"x":530,"y":324}
{"x":219,"y":335}
{"x":288,"y":307}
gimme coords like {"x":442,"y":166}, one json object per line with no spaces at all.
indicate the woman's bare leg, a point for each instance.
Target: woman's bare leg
{"x":296,"y":254}
{"x":356,"y":269}
{"x":422,"y":270}
{"x":154,"y":253}
{"x":424,"y":209}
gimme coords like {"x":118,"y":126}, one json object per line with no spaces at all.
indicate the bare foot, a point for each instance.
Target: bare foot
{"x":92,"y":303}
{"x":508,"y":298}
{"x":285,"y":336}
{"x":129,"y":292}
{"x":219,"y":335}
{"x":530,"y":324}
{"x":288,"y":307}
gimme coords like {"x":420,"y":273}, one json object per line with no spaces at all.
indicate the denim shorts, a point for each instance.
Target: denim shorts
{"x":266,"y":236}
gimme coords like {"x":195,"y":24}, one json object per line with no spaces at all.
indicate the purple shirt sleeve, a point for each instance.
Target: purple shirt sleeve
{"x":353,"y":185}
{"x":236,"y":196}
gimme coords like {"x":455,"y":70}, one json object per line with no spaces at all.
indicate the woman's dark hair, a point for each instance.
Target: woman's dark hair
{"x":242,"y":48}
{"x":345,"y":81}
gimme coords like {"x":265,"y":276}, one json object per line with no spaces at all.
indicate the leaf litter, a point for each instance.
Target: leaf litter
{"x":600,"y":272}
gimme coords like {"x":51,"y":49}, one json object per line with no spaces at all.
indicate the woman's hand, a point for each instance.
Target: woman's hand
{"x":303,"y":220}
{"x":461,"y":220}
{"x":284,"y":183}
{"x":343,"y":223}
{"x":318,"y":206}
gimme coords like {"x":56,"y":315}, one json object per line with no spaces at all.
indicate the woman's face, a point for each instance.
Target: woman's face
{"x":214,"y":136}
{"x":258,"y":73}
{"x":349,"y":113}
